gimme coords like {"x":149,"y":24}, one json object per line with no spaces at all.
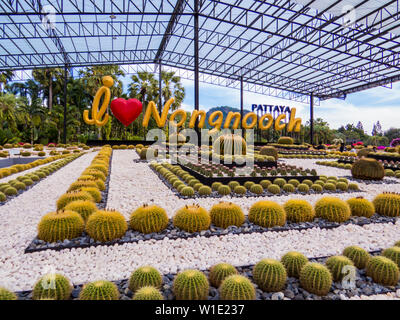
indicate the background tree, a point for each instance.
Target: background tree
{"x":5,"y":77}
{"x":392,"y":133}
{"x":171,"y":86}
{"x":48,"y":79}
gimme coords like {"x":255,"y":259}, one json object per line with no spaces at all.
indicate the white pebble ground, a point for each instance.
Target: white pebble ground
{"x":133,"y":184}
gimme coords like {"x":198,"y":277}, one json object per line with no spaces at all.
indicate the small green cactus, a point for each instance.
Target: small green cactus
{"x":241,"y":190}
{"x":382,"y":270}
{"x":294,"y":262}
{"x":216,"y":185}
{"x":233,"y":184}
{"x":294,"y":182}
{"x":316,"y":278}
{"x":7,"y":295}
{"x":387,"y":204}
{"x":342,"y":186}
{"x":192,"y":218}
{"x":225,"y":214}
{"x":224,"y":190}
{"x":106,"y":225}
{"x":60,"y":225}
{"x":187,"y":191}
{"x":336,"y":266}
{"x":83,"y":207}
{"x":299,"y":211}
{"x":330,"y":186}
{"x":303,"y":188}
{"x":145,"y":276}
{"x":279,"y":182}
{"x":361,"y":207}
{"x":191,"y":285}
{"x":148,"y":219}
{"x":393,"y":254}
{"x":248,"y":184}
{"x":52,"y":286}
{"x":99,"y":290}
{"x":204,"y":191}
{"x":288,"y":188}
{"x":237,"y":287}
{"x":256,"y":189}
{"x":148,"y":293}
{"x":72,"y":196}
{"x":219,"y":272}
{"x":265,"y":183}
{"x":270,"y":275}
{"x":267,"y":214}
{"x":10,"y":191}
{"x":359,"y":256}
{"x":274,"y":189}
{"x":332,"y":209}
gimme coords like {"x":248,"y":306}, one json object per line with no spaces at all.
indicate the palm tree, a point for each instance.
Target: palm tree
{"x":171,"y":86}
{"x":46,"y":77}
{"x":32,"y":114}
{"x":8,"y":104}
{"x":5,"y":76}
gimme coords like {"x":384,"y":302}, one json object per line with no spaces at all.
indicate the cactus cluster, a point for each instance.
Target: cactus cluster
{"x":191,"y":285}
{"x":192,"y":218}
{"x":332,"y":209}
{"x":60,"y":225}
{"x":106,"y":225}
{"x":359,"y":256}
{"x":237,"y":287}
{"x":299,"y":211}
{"x":294,"y":262}
{"x":367,"y":169}
{"x":337,"y":266}
{"x":148,"y":219}
{"x":316,"y":278}
{"x":145,"y":276}
{"x":387,"y":204}
{"x":225,"y":214}
{"x":267,"y":214}
{"x":270,"y":275}
{"x":361,"y":207}
{"x":99,"y":290}
{"x":382,"y":270}
{"x":52,"y":286}
{"x":219,"y":272}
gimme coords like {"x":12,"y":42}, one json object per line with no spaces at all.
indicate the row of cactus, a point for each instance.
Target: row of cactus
{"x":268,"y":274}
{"x":12,"y":187}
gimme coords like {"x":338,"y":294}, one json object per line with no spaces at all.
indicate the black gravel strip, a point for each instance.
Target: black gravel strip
{"x":363,"y":286}
{"x":9,"y":198}
{"x":104,"y":194}
{"x":248,"y":194}
{"x":173,"y":233}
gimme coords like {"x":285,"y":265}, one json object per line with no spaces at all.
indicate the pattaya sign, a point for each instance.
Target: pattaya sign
{"x":269,"y":108}
{"x":127,"y":111}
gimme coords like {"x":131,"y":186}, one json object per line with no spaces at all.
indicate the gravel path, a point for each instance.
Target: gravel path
{"x":132,"y":184}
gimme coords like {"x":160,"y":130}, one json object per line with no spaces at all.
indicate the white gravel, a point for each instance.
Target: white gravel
{"x":131,"y":185}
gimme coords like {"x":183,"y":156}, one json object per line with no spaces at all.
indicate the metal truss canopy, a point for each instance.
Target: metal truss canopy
{"x":276,"y":47}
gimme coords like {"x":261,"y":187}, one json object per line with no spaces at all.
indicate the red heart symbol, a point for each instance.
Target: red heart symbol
{"x":126,"y":111}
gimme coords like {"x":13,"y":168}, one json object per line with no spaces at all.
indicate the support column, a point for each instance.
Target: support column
{"x":159,"y":86}
{"x":241,"y":104}
{"x":65,"y":104}
{"x":312,"y":118}
{"x":196,"y":61}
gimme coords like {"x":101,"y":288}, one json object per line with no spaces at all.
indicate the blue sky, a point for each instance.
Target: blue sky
{"x":369,"y":106}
